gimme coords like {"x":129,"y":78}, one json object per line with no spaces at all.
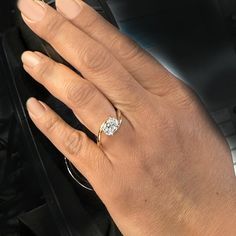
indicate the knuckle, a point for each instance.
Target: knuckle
{"x":185,"y":96}
{"x":186,"y":102}
{"x":168,"y":84}
{"x":51,"y":124}
{"x":73,"y":143}
{"x":55,"y":27}
{"x":96,"y":60}
{"x":141,"y":101}
{"x":90,"y":21}
{"x":45,"y":69}
{"x":80,"y":95}
{"x":126,"y":47}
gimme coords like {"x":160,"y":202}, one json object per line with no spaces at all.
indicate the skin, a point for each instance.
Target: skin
{"x":168,"y":170}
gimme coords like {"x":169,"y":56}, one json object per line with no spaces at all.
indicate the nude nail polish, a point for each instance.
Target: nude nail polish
{"x":30,"y":59}
{"x":69,"y":8}
{"x":33,"y":10}
{"x":35,"y":107}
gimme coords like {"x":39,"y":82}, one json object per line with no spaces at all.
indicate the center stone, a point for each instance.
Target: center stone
{"x":110,"y":126}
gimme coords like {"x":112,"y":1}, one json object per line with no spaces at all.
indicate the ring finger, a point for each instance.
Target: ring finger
{"x":89,"y":105}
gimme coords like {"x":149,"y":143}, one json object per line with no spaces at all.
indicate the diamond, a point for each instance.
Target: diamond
{"x":110,"y":126}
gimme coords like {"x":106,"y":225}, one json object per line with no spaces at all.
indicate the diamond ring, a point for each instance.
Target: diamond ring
{"x":110,"y":126}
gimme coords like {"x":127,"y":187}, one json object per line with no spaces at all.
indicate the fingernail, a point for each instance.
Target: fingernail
{"x":69,"y":8}
{"x":31,"y":59}
{"x":35,"y":107}
{"x":34,"y":10}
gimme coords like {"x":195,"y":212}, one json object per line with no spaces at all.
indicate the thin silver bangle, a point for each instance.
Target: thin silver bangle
{"x":68,"y":164}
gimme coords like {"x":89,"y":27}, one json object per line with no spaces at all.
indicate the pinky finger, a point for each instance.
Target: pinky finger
{"x":85,"y":155}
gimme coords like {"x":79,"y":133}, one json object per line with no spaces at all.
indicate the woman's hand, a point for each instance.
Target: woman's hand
{"x":167,"y":170}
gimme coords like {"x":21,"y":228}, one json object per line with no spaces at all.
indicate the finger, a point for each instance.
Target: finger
{"x":144,"y":68}
{"x":93,"y":60}
{"x":85,"y":100}
{"x":75,"y":145}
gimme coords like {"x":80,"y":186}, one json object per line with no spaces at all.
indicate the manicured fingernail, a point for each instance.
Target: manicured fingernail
{"x":31,"y":59}
{"x":34,"y":10}
{"x":69,"y":8}
{"x":35,"y":107}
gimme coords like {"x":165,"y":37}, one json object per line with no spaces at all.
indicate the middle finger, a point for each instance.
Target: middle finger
{"x":93,"y":60}
{"x":85,"y":100}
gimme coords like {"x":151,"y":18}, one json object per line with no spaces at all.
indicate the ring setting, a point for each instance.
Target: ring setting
{"x":110,"y":126}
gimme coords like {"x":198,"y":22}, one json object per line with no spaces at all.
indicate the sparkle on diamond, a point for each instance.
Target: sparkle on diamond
{"x":110,"y":126}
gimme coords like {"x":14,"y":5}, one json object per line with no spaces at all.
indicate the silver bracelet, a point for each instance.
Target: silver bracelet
{"x":73,"y":173}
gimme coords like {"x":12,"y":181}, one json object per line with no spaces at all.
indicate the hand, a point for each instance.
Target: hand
{"x":167,"y":170}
